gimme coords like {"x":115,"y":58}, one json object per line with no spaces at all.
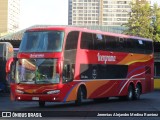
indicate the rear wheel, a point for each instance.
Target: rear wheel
{"x":130,"y":93}
{"x":41,"y":103}
{"x":137,"y":92}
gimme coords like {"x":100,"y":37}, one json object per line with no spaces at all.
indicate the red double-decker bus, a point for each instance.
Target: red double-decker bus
{"x":60,"y":64}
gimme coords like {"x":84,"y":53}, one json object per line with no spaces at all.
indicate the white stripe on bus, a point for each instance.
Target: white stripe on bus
{"x":108,"y":79}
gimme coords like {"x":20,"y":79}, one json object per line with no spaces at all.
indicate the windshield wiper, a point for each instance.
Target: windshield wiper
{"x":26,"y":82}
{"x":45,"y":81}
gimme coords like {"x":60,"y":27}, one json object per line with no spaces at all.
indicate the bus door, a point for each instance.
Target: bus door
{"x":68,"y":75}
{"x":68,"y":72}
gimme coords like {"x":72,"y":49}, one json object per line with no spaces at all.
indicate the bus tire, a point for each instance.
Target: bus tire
{"x":137,"y":92}
{"x":130,"y":93}
{"x":41,"y":103}
{"x":80,"y":96}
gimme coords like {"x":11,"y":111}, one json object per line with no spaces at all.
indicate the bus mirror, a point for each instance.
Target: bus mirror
{"x":10,"y":69}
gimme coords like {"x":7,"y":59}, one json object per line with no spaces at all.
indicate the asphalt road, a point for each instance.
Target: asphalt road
{"x":149,"y":103}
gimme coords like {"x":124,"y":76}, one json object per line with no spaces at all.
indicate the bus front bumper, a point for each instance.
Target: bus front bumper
{"x":38,"y":97}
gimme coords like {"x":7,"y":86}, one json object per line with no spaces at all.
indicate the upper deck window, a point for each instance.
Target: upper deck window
{"x":42,"y":41}
{"x":72,"y":40}
{"x":93,"y":41}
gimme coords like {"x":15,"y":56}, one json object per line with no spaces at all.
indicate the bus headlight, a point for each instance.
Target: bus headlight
{"x":19,"y":91}
{"x":53,"y":92}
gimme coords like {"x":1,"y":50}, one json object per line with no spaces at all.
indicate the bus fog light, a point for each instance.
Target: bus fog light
{"x":19,"y":91}
{"x":53,"y":92}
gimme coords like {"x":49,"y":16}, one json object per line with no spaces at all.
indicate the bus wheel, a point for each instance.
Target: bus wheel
{"x":41,"y":103}
{"x":137,"y":92}
{"x":80,"y":96}
{"x":130,"y":93}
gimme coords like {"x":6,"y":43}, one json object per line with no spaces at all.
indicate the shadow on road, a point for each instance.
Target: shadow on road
{"x":85,"y":105}
{"x":147,"y":101}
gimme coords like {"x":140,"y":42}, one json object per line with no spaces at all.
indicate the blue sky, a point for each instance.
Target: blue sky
{"x":46,"y":12}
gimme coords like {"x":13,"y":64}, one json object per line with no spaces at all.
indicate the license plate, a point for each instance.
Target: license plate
{"x":35,"y":98}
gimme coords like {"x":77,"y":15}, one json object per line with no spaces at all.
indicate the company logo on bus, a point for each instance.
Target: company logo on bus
{"x":106,"y":58}
{"x":36,"y":55}
{"x":94,"y":73}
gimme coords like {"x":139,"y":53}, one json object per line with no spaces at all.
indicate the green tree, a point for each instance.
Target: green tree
{"x":156,"y":22}
{"x":139,"y":23}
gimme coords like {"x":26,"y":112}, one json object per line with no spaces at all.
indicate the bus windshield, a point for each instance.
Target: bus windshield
{"x":42,"y":41}
{"x":37,"y":71}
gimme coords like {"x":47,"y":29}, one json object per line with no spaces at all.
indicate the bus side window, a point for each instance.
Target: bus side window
{"x":111,"y":43}
{"x":4,"y":52}
{"x":121,"y":44}
{"x":68,"y":73}
{"x":72,"y":40}
{"x":99,"y":42}
{"x":87,"y":41}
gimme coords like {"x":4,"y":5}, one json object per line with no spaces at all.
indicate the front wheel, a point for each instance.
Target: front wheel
{"x":41,"y":103}
{"x":80,"y":97}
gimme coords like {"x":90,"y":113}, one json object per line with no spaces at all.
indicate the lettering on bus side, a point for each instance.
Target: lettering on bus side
{"x":36,"y":55}
{"x":106,"y":58}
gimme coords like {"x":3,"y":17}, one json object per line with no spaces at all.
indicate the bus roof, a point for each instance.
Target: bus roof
{"x":69,"y":28}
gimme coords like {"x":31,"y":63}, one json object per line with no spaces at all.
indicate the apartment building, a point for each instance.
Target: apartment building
{"x":100,"y":12}
{"x":9,"y":15}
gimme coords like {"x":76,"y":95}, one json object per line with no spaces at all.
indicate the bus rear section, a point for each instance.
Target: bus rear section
{"x":6,"y":52}
{"x":115,"y":65}
{"x":86,"y":64}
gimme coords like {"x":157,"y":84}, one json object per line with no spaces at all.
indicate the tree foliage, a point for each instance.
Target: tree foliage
{"x":156,"y":22}
{"x":144,"y":21}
